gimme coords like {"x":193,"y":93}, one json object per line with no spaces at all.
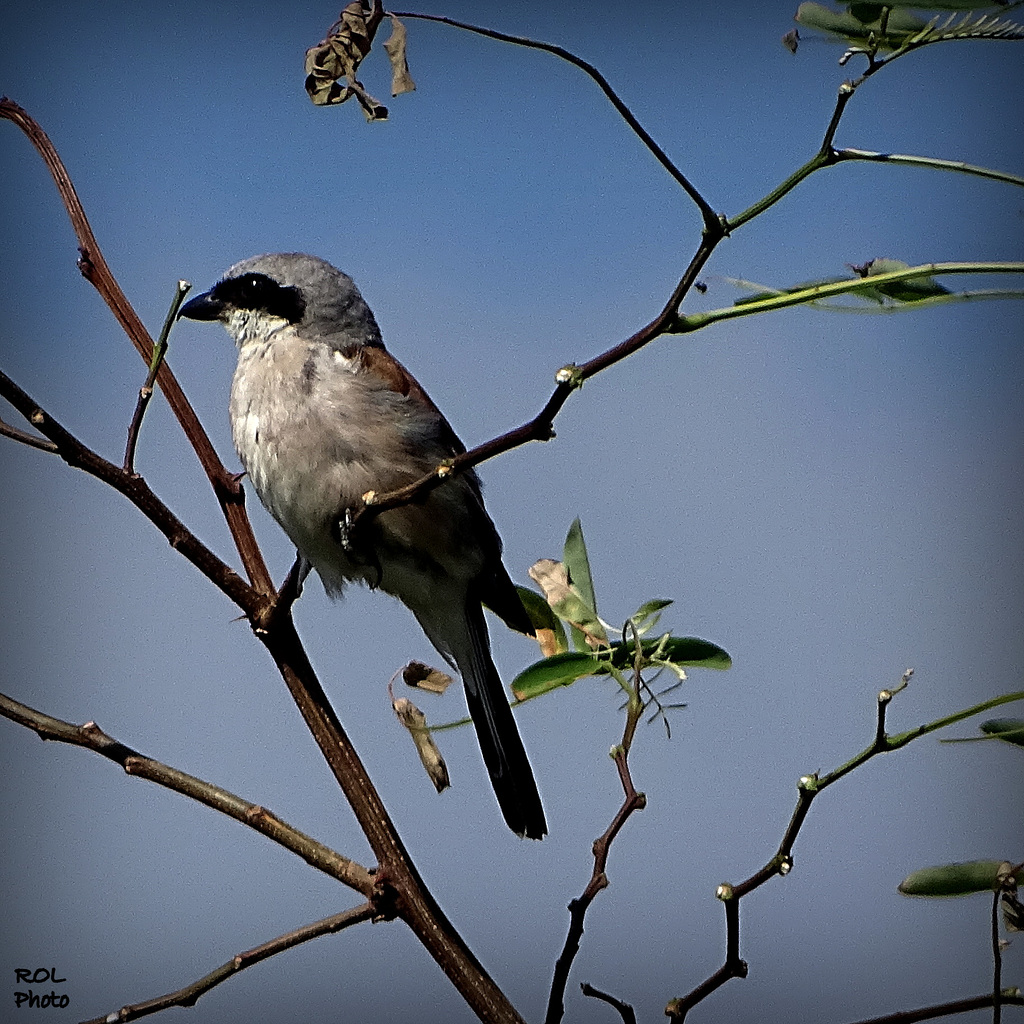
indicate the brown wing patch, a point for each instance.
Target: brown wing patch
{"x":382,"y":364}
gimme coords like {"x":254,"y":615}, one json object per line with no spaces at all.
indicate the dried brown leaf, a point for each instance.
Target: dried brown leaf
{"x":401,"y":80}
{"x":552,"y":578}
{"x":423,"y":677}
{"x":416,"y":722}
{"x":548,"y":642}
{"x":339,"y":55}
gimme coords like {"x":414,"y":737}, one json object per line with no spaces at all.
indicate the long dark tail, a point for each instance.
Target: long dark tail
{"x":502,"y":747}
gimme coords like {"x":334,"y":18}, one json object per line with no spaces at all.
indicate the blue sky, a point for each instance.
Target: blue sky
{"x":830,"y":498}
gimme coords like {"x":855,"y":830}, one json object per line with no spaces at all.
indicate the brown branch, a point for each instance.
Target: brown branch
{"x":24,"y":438}
{"x":781,"y":863}
{"x":138,"y":492}
{"x":945,"y":1009}
{"x":92,"y":737}
{"x":189,"y":995}
{"x":578,"y":907}
{"x":734,"y":966}
{"x":626,"y":1012}
{"x":397,"y":875}
{"x":541,"y":427}
{"x":95,"y":270}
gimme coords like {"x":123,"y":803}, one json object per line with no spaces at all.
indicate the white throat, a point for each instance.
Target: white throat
{"x":248,"y":326}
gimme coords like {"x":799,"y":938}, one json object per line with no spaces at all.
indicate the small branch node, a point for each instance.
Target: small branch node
{"x":808,"y":783}
{"x":569,"y":376}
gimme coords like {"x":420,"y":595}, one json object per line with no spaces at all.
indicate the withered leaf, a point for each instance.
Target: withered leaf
{"x":547,"y":641}
{"x":566,"y":600}
{"x":338,"y":57}
{"x":416,"y":722}
{"x":401,"y":80}
{"x":423,"y":677}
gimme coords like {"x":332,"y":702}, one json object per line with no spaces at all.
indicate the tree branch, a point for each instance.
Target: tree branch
{"x":945,"y":1009}
{"x":781,"y":863}
{"x":92,"y":737}
{"x":29,"y":439}
{"x":146,"y":391}
{"x":138,"y":492}
{"x":626,"y":1012}
{"x":844,"y":155}
{"x":95,"y":270}
{"x":189,"y":995}
{"x":698,"y":321}
{"x":578,"y":907}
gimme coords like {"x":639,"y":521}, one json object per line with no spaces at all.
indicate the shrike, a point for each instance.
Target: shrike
{"x":321,"y":413}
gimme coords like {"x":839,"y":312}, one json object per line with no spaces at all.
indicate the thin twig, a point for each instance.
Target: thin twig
{"x":843,"y":155}
{"x":146,"y":391}
{"x":626,"y":1012}
{"x":707,"y":213}
{"x":944,"y":1009}
{"x":997,"y":960}
{"x":137,"y":491}
{"x":24,"y":438}
{"x":781,"y":863}
{"x":804,"y":296}
{"x":189,"y":995}
{"x":633,"y":801}
{"x":92,"y":737}
{"x":541,"y":427}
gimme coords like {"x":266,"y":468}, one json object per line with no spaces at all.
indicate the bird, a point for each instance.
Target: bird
{"x":321,"y":414}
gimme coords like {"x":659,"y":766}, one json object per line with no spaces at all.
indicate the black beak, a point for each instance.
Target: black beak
{"x":202,"y":307}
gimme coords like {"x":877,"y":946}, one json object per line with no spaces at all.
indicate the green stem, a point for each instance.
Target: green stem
{"x":887,"y":743}
{"x":842,"y":155}
{"x":903,"y":738}
{"x":819,"y":160}
{"x":696,"y":321}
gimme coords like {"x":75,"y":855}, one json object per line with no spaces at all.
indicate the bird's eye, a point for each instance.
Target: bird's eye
{"x":259,"y":292}
{"x":256,"y":287}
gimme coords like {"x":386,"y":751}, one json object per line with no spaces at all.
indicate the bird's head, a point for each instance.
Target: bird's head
{"x":262,"y":295}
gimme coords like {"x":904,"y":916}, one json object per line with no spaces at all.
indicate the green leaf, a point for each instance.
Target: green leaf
{"x":682,"y":651}
{"x":646,"y":617}
{"x":558,"y":670}
{"x":914,"y":290}
{"x":1009,"y":729}
{"x":577,"y":564}
{"x":543,"y":617}
{"x":574,"y":555}
{"x":955,"y":879}
{"x":860,"y":22}
{"x":564,"y":669}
